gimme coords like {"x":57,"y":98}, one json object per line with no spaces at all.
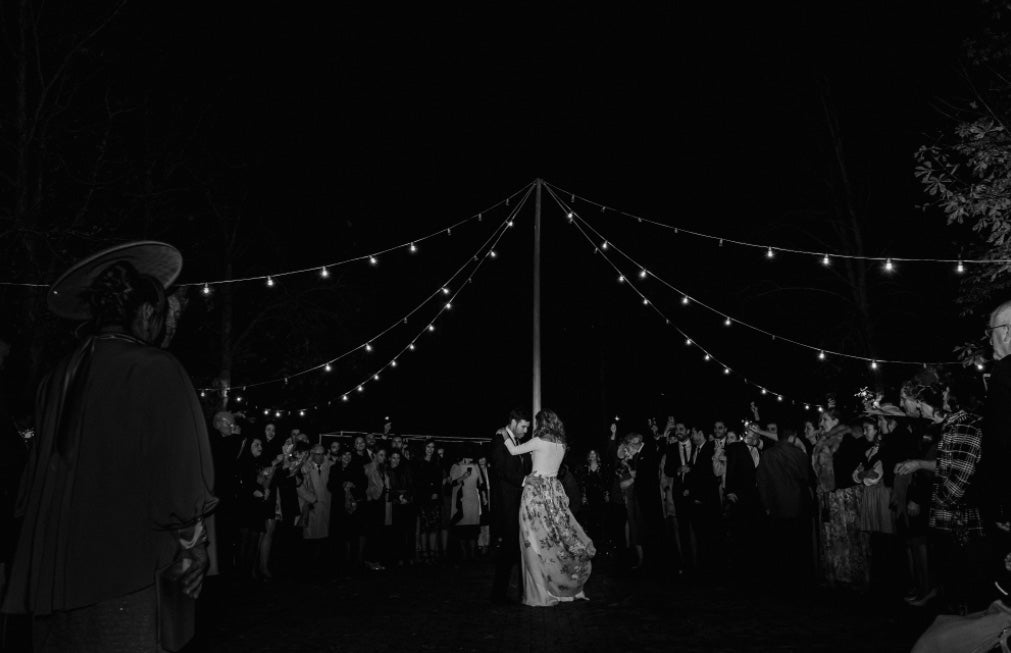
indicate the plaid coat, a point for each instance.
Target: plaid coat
{"x":958,"y":455}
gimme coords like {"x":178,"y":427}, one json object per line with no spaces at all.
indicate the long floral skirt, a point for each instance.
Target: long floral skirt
{"x":844,"y":547}
{"x":554,"y":548}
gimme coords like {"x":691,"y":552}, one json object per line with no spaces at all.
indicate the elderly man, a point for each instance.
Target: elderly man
{"x":995,"y":455}
{"x":315,"y":500}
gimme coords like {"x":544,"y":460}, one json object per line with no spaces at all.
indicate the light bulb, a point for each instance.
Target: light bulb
{"x":726,"y":322}
{"x":645,"y":302}
{"x":642,"y":274}
{"x":327,"y":368}
{"x":301,"y":413}
{"x":779,"y":398}
{"x":375,"y":377}
{"x":979,"y":366}
{"x":764,"y":391}
{"x":492,"y":254}
{"x":324,"y":273}
{"x":684,"y":300}
{"x":393,"y":363}
{"x":706,"y":358}
{"x":820,"y":409}
{"x":821,"y":355}
{"x":888,"y":265}
{"x":431,"y":327}
{"x":445,"y":291}
{"x":414,"y":248}
{"x":207,"y":289}
{"x":961,"y":268}
{"x":570,"y":215}
{"x":203,"y":393}
{"x":449,"y":305}
{"x":807,"y":406}
{"x":825,"y":260}
{"x":621,"y":278}
{"x":726,"y":370}
{"x":373,"y":260}
{"x":688,"y":341}
{"x":266,"y":411}
{"x":874,"y":365}
{"x":344,"y":397}
{"x":368,"y":347}
{"x":411,"y":346}
{"x":769,"y":253}
{"x":509,"y":224}
{"x":603,"y":246}
{"x":270,"y":282}
{"x":238,"y":400}
{"x":361,"y":389}
{"x":277,"y":414}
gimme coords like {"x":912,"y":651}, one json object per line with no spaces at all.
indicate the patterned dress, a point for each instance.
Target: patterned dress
{"x":555,"y":550}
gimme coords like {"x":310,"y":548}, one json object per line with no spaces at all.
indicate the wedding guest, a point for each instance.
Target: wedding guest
{"x":315,"y":506}
{"x":785,"y":482}
{"x":466,"y":506}
{"x":595,"y":489}
{"x":627,"y":473}
{"x":484,"y":491}
{"x":346,"y":485}
{"x":402,"y":494}
{"x":954,"y":509}
{"x":379,"y":511}
{"x":428,"y":488}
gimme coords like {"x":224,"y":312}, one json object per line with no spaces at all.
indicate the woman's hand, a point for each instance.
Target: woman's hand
{"x":913,"y":509}
{"x":908,"y":466}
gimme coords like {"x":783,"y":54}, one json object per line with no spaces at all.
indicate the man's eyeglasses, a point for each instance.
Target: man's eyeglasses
{"x":988,"y":330}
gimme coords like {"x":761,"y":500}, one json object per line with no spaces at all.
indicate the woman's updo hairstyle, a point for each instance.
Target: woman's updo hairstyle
{"x":119,"y":291}
{"x":549,"y":427}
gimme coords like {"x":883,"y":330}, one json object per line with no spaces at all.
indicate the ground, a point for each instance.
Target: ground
{"x":447,"y":609}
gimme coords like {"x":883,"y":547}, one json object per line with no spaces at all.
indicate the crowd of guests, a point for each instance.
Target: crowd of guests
{"x":893,"y":493}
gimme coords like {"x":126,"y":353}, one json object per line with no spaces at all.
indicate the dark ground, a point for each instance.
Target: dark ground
{"x":447,"y":609}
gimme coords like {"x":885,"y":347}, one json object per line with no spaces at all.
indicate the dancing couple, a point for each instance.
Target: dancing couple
{"x":532,"y":515}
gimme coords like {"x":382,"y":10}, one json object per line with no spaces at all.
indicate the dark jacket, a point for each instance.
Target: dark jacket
{"x":741,"y":473}
{"x":995,"y":457}
{"x":506,"y":473}
{"x":785,"y":482}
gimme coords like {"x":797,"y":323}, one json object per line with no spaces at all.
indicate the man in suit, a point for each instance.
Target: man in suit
{"x":703,"y":490}
{"x":677,"y":465}
{"x":507,"y":473}
{"x":995,"y":453}
{"x":743,"y":507}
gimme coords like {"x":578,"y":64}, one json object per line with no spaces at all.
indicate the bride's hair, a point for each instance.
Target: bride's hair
{"x":549,"y":427}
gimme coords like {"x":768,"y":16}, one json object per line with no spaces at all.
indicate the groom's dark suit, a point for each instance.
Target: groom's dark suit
{"x":506,"y":473}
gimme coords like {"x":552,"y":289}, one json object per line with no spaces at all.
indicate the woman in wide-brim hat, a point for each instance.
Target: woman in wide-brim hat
{"x":120,"y":475}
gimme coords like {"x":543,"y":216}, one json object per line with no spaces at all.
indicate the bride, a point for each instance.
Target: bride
{"x":556,"y":552}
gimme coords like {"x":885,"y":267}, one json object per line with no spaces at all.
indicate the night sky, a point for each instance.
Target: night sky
{"x":338,"y":132}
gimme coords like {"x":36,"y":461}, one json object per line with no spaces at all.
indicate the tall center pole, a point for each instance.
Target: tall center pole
{"x":537,"y":298}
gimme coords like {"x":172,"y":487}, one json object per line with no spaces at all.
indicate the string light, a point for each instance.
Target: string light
{"x":621,"y":278}
{"x":393,"y":363}
{"x":301,"y":413}
{"x":445,"y":291}
{"x":888,"y":265}
{"x":361,"y":389}
{"x":821,"y":355}
{"x":375,"y":377}
{"x":603,"y":246}
{"x":510,"y":223}
{"x":277,"y":414}
{"x":642,"y":274}
{"x":570,"y":215}
{"x":324,"y":273}
{"x":411,"y":346}
{"x":414,"y":248}
{"x":328,"y":368}
{"x":207,"y":289}
{"x":373,"y":260}
{"x":645,"y":302}
{"x":770,"y":251}
{"x":688,"y":340}
{"x":960,"y":268}
{"x":270,"y":282}
{"x":492,"y":253}
{"x":726,"y":322}
{"x":344,"y":397}
{"x":825,"y":260}
{"x":449,"y":305}
{"x":431,"y":327}
{"x":979,"y":366}
{"x":203,"y":393}
{"x":764,"y":391}
{"x":685,"y":299}
{"x":368,"y":347}
{"x":779,"y":397}
{"x":874,"y":365}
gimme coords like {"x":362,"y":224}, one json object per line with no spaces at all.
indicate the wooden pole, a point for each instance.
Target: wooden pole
{"x":537,"y":300}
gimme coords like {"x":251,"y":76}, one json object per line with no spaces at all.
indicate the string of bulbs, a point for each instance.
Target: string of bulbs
{"x":728,"y":320}
{"x":689,"y":340}
{"x":487,"y":250}
{"x":888,"y":263}
{"x":323,"y":270}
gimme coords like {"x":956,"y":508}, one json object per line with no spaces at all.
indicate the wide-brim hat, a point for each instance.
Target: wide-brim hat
{"x":886,"y":410}
{"x":160,"y":260}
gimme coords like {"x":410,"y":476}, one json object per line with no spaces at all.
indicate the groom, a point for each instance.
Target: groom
{"x":507,"y":473}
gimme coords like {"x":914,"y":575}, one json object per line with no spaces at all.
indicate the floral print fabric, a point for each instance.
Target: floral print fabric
{"x":555,"y":550}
